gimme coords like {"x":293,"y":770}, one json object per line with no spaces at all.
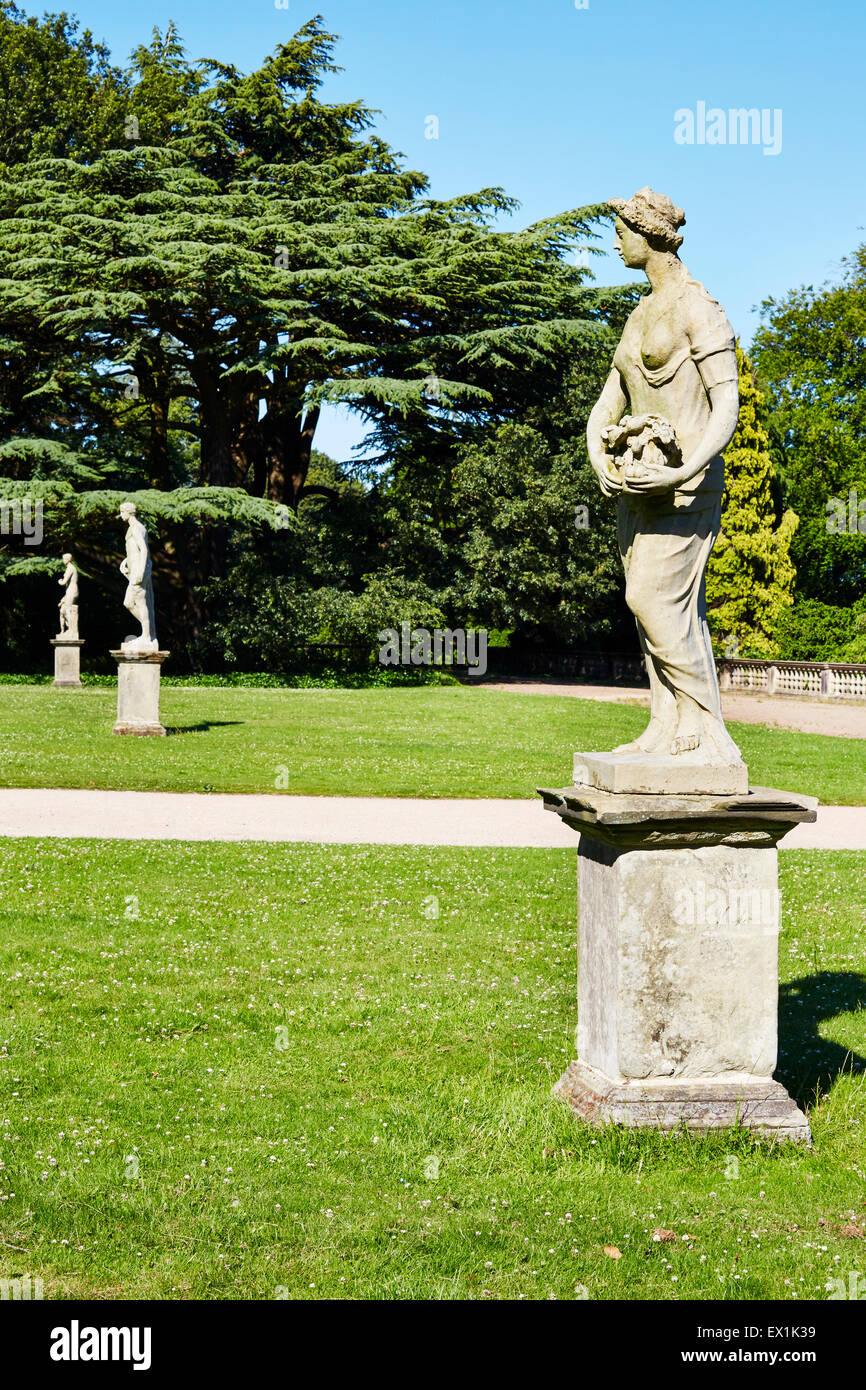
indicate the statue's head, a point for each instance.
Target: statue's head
{"x":67,"y":558}
{"x":127,"y":509}
{"x":647,"y":222}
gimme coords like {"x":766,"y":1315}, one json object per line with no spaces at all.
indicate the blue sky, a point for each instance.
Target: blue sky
{"x":564,"y":106}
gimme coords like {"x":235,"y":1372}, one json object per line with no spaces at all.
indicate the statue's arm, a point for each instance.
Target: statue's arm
{"x":724,"y":400}
{"x":724,"y":395}
{"x":608,"y":410}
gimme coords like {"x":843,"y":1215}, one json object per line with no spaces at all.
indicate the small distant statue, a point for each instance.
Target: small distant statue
{"x":69,"y":602}
{"x":139,"y":590}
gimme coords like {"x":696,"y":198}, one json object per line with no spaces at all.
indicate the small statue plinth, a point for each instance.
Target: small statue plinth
{"x":67,"y":644}
{"x":67,"y":662}
{"x":138,"y":675}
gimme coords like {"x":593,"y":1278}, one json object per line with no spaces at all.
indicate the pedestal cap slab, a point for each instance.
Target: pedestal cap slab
{"x":760,"y":816}
{"x":140,"y":658}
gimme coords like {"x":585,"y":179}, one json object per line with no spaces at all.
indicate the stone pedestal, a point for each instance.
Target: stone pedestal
{"x":138,"y":692}
{"x":67,"y":662}
{"x":678,"y":959}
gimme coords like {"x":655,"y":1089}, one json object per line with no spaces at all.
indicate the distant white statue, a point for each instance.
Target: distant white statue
{"x":69,"y":601}
{"x":139,"y":590}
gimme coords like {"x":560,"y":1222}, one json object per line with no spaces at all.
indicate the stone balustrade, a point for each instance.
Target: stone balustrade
{"x":820,"y":679}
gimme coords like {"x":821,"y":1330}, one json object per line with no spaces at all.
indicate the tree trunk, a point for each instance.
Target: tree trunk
{"x":289,"y":449}
{"x":217,"y":454}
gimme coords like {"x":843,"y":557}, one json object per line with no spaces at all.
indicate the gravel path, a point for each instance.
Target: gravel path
{"x":335,"y":820}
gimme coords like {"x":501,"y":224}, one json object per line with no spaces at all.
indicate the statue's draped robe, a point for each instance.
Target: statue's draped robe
{"x":668,"y":355}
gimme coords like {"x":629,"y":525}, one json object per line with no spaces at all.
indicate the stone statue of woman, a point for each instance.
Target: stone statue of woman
{"x":656,"y":439}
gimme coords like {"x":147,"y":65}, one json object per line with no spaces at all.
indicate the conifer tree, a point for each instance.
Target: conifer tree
{"x":750,"y":576}
{"x":180,"y":303}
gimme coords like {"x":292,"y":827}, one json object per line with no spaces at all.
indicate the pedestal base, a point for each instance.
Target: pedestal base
{"x":677,"y":999}
{"x":701,"y":1105}
{"x":138,"y":693}
{"x":67,"y":662}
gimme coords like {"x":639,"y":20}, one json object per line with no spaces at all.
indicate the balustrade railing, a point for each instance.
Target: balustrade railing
{"x":827,"y":680}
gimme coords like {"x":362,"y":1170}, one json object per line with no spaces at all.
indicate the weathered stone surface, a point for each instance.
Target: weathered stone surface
{"x":677,"y":963}
{"x":758,"y":818}
{"x":659,"y":774}
{"x":678,"y":958}
{"x":700,"y":1105}
{"x":67,"y":662}
{"x":138,"y":692}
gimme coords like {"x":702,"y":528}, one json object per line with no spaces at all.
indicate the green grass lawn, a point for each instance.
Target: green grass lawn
{"x":446,"y":741}
{"x":244,"y":1071}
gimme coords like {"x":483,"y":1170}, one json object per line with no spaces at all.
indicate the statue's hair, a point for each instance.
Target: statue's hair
{"x":129,"y":507}
{"x":654,"y":215}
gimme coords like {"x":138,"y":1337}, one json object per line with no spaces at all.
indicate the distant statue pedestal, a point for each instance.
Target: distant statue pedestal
{"x":678,"y":958}
{"x":138,"y":675}
{"x":67,"y":662}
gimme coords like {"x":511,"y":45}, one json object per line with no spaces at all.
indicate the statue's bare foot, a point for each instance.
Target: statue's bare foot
{"x":688,"y":732}
{"x":719,"y":744}
{"x":654,"y":737}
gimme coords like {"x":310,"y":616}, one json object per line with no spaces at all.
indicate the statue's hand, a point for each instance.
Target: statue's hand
{"x":654,"y":480}
{"x":609,"y":481}
{"x":611,"y":486}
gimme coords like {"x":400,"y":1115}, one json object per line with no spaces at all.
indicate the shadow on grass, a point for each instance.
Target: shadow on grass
{"x":202,"y":728}
{"x":808,"y":1063}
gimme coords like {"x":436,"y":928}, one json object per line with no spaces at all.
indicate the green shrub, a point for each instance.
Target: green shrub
{"x":815,"y":631}
{"x":329,"y":678}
